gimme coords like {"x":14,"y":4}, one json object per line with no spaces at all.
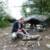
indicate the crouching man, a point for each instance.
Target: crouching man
{"x":18,"y":29}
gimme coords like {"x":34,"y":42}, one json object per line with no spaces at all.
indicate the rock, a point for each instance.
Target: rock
{"x":18,"y":48}
{"x":4,"y":47}
{"x":48,"y":45}
{"x":38,"y":43}
{"x":47,"y":37}
{"x":6,"y":33}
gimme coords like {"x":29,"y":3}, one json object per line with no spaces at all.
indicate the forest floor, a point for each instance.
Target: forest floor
{"x":7,"y":44}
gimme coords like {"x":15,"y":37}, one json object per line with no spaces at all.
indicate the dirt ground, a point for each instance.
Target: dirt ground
{"x":7,"y":44}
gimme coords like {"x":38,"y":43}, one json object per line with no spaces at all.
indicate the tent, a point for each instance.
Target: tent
{"x":35,"y":19}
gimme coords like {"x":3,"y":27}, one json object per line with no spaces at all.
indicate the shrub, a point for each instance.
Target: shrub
{"x":4,"y":22}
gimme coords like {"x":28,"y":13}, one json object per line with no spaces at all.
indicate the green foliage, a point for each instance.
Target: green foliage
{"x":4,"y":22}
{"x":3,"y":15}
{"x":41,"y":7}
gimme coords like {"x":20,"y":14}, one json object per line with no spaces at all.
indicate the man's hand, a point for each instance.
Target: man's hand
{"x":25,"y":31}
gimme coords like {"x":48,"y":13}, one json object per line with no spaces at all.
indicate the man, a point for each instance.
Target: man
{"x":18,"y":25}
{"x":18,"y":30}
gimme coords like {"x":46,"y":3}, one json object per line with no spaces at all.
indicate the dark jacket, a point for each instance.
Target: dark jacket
{"x":16,"y":26}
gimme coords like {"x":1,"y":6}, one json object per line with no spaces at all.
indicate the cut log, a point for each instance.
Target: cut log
{"x":26,"y":37}
{"x":32,"y":37}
